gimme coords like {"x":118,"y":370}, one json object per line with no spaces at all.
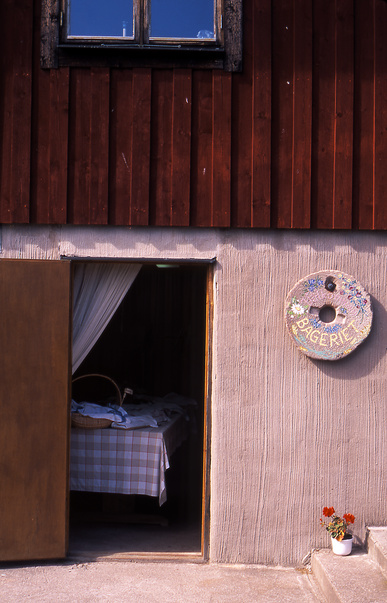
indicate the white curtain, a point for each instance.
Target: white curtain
{"x":99,"y":289}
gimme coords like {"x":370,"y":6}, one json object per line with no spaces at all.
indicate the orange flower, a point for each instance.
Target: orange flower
{"x":328,"y":511}
{"x":349,"y":518}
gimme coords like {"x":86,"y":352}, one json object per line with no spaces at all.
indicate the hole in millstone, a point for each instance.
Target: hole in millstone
{"x":327,"y":314}
{"x":330,"y":284}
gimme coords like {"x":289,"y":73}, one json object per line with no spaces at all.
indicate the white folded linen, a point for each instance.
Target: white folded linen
{"x":148,"y":411}
{"x":119,"y":417}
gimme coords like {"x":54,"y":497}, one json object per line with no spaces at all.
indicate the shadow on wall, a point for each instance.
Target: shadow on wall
{"x":366,"y":357}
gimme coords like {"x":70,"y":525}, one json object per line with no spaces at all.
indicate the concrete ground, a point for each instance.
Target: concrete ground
{"x":152,"y":582}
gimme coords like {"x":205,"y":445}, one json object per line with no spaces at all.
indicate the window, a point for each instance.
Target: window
{"x":142,"y":21}
{"x":193,"y":33}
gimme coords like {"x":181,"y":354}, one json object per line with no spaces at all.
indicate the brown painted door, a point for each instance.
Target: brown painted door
{"x":34,"y":408}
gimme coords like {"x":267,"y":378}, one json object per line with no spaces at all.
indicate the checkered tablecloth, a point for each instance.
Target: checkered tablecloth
{"x":124,"y":461}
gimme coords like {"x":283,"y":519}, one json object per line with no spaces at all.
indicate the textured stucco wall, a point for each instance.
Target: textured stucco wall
{"x":289,"y":434}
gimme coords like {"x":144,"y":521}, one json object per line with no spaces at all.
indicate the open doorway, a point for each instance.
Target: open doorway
{"x":155,"y":345}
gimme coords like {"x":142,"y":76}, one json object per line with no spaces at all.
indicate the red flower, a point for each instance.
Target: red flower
{"x":328,"y":511}
{"x":349,"y":518}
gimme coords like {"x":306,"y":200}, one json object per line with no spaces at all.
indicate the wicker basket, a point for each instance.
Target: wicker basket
{"x":94,"y":384}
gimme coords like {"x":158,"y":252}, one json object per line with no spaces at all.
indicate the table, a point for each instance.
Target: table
{"x":125,"y":461}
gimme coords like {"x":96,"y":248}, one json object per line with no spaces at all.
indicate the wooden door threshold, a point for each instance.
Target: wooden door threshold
{"x":84,"y":556}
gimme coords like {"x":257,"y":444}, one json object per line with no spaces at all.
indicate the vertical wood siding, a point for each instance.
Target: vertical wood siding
{"x":16,"y":20}
{"x":333,"y":97}
{"x":297,"y":140}
{"x":292,"y":114}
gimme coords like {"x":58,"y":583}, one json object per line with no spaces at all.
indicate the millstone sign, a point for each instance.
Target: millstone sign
{"x":328,"y":314}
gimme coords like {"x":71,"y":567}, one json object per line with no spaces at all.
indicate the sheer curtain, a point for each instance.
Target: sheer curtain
{"x":99,"y":289}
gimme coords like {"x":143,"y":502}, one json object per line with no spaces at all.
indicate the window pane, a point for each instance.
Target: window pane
{"x":182,"y":19}
{"x":112,"y":18}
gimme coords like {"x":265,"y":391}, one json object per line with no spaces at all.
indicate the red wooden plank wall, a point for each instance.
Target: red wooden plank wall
{"x":297,"y":140}
{"x":15,"y":107}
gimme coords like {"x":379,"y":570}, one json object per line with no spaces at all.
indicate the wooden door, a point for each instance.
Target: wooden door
{"x":34,"y":408}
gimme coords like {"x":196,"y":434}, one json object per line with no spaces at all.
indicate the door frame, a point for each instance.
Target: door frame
{"x":208,"y":340}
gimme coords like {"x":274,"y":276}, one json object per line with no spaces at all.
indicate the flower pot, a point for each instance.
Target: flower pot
{"x":342,"y":547}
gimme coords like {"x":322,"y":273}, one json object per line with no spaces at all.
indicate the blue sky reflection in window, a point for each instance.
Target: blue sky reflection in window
{"x":98,"y":18}
{"x":180,"y":19}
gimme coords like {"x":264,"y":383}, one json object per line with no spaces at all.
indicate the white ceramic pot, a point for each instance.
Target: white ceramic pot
{"x":342,"y":547}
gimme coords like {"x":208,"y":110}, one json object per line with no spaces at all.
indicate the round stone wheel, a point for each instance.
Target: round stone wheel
{"x":328,"y":314}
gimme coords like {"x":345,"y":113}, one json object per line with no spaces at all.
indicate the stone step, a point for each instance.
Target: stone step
{"x":377,"y":547}
{"x":357,"y":578}
{"x":351,"y":579}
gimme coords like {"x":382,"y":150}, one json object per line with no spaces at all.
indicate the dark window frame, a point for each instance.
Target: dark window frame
{"x":57,"y":51}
